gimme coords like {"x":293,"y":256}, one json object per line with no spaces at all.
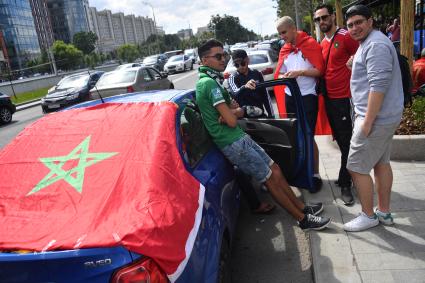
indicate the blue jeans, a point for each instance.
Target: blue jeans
{"x":250,"y":158}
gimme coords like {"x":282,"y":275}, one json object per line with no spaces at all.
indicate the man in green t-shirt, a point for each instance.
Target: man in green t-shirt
{"x":220,"y":116}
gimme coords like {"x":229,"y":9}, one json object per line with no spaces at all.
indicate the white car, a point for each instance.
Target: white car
{"x":239,"y":45}
{"x":178,"y":63}
{"x":262,"y":60}
{"x":192,"y":54}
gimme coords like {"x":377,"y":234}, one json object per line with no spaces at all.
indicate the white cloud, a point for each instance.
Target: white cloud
{"x":255,"y":15}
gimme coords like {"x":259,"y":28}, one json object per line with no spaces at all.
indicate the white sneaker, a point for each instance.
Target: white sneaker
{"x":384,"y":218}
{"x":361,"y":222}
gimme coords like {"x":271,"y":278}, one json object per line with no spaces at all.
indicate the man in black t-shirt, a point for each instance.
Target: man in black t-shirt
{"x":243,"y":89}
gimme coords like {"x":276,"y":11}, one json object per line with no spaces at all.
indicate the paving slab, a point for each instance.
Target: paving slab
{"x":381,"y":254}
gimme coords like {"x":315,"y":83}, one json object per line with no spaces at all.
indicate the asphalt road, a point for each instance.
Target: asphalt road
{"x":267,"y":248}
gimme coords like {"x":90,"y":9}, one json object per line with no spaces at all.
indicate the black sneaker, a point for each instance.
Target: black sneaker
{"x":313,"y":209}
{"x":314,"y":222}
{"x":317,"y":182}
{"x":347,"y":196}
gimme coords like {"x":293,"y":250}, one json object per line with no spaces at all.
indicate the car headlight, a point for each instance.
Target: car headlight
{"x":72,"y":96}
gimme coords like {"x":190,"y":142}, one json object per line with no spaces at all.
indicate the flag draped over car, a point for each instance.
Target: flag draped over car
{"x":101,"y":176}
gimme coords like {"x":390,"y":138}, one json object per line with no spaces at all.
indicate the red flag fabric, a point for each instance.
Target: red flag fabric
{"x":313,"y":52}
{"x":101,"y":176}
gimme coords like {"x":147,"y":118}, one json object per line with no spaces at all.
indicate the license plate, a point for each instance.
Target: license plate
{"x":53,"y":106}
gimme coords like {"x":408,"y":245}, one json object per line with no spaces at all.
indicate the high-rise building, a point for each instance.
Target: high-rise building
{"x":68,"y":17}
{"x":185,"y":33}
{"x":42,"y":23}
{"x":19,"y":32}
{"x":116,"y":29}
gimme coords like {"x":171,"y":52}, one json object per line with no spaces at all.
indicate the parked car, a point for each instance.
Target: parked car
{"x":7,"y":108}
{"x":169,"y":54}
{"x":239,"y":45}
{"x":128,"y":66}
{"x":206,"y":255}
{"x":130,"y":80}
{"x":178,"y":63}
{"x":156,"y":61}
{"x":263,"y":60}
{"x":70,"y":90}
{"x":192,"y":54}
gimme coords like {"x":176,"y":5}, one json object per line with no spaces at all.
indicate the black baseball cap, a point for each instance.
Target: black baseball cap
{"x":239,"y":54}
{"x":360,"y":10}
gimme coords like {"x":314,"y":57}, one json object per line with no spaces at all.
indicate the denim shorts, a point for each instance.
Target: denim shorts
{"x":250,"y":158}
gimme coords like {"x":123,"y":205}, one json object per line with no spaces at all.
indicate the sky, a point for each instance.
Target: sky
{"x":256,"y":15}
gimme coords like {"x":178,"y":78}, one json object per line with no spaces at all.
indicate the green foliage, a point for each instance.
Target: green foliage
{"x":418,"y":108}
{"x":228,"y":29}
{"x":128,"y":52}
{"x":85,"y":41}
{"x":67,"y":56}
{"x":39,"y":65}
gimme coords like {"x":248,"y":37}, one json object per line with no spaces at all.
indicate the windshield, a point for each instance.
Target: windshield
{"x":150,"y":59}
{"x":258,"y":59}
{"x":176,"y":58}
{"x":74,"y":81}
{"x":188,"y":52}
{"x":121,"y":77}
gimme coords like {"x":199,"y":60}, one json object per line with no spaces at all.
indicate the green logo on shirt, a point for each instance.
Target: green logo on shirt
{"x":217,"y":94}
{"x":336,"y":45}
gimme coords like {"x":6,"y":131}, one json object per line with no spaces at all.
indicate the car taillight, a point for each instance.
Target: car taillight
{"x":226,"y":75}
{"x":267,"y":71}
{"x":144,"y":271}
{"x":130,"y":89}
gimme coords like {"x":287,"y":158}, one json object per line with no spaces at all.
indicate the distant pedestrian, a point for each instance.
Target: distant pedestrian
{"x":377,"y":92}
{"x":394,"y":30}
{"x":419,"y":72}
{"x":337,"y":49}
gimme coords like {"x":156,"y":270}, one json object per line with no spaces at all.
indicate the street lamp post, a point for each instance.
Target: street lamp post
{"x":153,"y":13}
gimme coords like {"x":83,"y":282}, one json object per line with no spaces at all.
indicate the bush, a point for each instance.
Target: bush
{"x":413,"y":120}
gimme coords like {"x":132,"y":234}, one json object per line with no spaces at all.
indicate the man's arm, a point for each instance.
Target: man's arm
{"x":379,"y":66}
{"x":306,"y":73}
{"x":229,"y":116}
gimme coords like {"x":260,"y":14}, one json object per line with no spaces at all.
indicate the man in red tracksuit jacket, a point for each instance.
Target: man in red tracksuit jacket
{"x":300,"y":58}
{"x":337,"y":49}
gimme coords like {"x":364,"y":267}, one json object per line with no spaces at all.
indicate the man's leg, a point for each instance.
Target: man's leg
{"x":384,"y":182}
{"x":364,"y":186}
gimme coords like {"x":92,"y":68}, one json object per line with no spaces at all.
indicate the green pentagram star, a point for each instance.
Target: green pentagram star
{"x":74,"y":176}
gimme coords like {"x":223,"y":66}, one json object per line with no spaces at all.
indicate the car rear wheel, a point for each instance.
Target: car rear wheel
{"x":171,"y":86}
{"x":224,"y":271}
{"x":5,"y":115}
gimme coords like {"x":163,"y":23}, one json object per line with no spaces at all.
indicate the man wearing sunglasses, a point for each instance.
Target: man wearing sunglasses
{"x":337,"y":49}
{"x":242,"y":85}
{"x":377,"y":94}
{"x":220,"y":118}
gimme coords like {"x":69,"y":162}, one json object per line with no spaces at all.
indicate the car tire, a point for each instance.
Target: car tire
{"x":224,"y":268}
{"x":5,"y":115}
{"x":171,"y":86}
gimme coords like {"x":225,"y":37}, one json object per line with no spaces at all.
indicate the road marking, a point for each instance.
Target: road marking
{"x":186,"y":76}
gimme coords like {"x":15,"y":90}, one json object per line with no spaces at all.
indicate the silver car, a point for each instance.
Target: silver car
{"x":178,"y":63}
{"x":130,"y":80}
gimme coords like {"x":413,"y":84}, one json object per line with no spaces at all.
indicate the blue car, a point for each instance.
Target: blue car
{"x":284,"y":139}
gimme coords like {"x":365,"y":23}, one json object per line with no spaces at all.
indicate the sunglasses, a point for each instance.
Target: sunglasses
{"x":323,"y":18}
{"x":218,"y":56}
{"x":242,"y":63}
{"x":356,"y":23}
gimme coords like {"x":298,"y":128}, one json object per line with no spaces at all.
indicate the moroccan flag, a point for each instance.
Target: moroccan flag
{"x":102,"y":176}
{"x":313,"y":52}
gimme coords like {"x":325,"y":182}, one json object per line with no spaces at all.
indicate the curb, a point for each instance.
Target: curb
{"x":28,"y":104}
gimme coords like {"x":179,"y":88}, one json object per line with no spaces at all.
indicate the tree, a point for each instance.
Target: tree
{"x":67,"y":56}
{"x":85,"y":41}
{"x":128,"y":52}
{"x":228,"y":29}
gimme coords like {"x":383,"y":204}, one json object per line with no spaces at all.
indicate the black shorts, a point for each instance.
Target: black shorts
{"x":310,"y":103}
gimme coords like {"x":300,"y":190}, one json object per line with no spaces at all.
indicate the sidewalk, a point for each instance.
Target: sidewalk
{"x":381,"y":254}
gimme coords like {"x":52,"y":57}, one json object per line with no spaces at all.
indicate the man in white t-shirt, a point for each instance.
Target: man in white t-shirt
{"x":301,"y":58}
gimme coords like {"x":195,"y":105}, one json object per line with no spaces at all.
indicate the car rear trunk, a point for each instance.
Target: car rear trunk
{"x":85,"y":265}
{"x":109,"y":91}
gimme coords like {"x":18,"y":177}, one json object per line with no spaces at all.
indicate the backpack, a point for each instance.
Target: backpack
{"x":406,"y":78}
